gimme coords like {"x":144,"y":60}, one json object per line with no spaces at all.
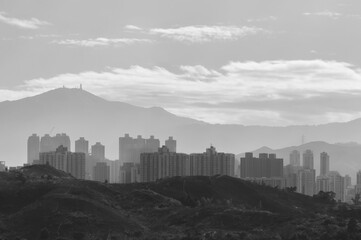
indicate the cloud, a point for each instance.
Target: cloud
{"x":133,"y":28}
{"x":32,"y":23}
{"x":279,"y":92}
{"x":96,"y":42}
{"x":326,"y":13}
{"x":262,"y":19}
{"x":198,"y":34}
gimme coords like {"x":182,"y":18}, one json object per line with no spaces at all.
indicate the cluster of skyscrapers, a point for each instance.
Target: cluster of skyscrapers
{"x":266,"y":169}
{"x":166,"y":163}
{"x":144,"y":160}
{"x":304,"y":177}
{"x":140,"y":160}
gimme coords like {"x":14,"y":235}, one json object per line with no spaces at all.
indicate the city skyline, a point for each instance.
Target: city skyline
{"x":181,"y":119}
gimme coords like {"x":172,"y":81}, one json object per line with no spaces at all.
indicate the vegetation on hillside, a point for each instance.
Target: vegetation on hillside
{"x":39,"y":202}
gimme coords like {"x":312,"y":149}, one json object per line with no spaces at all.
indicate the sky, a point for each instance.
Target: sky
{"x":250,"y":62}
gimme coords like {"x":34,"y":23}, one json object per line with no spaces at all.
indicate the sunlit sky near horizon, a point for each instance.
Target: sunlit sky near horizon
{"x":254,"y":62}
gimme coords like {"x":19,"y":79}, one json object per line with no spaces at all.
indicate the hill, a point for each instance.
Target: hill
{"x":344,"y":157}
{"x":217,"y":207}
{"x":80,"y":113}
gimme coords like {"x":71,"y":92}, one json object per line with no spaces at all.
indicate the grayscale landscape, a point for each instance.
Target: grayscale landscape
{"x":180,"y":120}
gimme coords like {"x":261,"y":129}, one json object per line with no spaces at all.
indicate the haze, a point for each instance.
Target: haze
{"x":271,"y":63}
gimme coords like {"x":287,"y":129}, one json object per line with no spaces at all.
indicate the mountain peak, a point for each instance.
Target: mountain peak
{"x":64,"y":96}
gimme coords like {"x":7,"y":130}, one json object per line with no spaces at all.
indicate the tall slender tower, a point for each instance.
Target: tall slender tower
{"x":295,"y":158}
{"x":308,"y":159}
{"x":171,"y":144}
{"x":33,"y":148}
{"x":98,"y":151}
{"x":324,"y":164}
{"x":126,"y":149}
{"x":82,"y":145}
{"x":151,"y":145}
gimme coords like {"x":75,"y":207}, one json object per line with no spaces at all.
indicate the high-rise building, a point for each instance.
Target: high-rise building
{"x":61,"y":140}
{"x":82,"y":145}
{"x":62,"y":159}
{"x":358,"y":182}
{"x":308,"y":159}
{"x":49,"y":144}
{"x":130,"y":148}
{"x":266,"y":166}
{"x":114,"y":170}
{"x":306,"y":181}
{"x":290,"y":173}
{"x":151,"y":144}
{"x":139,"y":147}
{"x":324,"y":164}
{"x":126,"y":149}
{"x":33,"y":148}
{"x":98,"y":152}
{"x":358,"y":178}
{"x":347,"y":181}
{"x":171,"y":144}
{"x":337,"y":185}
{"x":46,"y":143}
{"x":322,"y":184}
{"x":162,"y":164}
{"x":211,"y":163}
{"x":295,"y":158}
{"x":129,"y":173}
{"x":101,"y":172}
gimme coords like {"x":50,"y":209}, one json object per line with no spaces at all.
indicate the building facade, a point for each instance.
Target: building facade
{"x":98,"y":151}
{"x":101,"y":172}
{"x":265,"y":166}
{"x":306,"y":181}
{"x":324,"y":164}
{"x":211,"y":163}
{"x":337,"y":185}
{"x":295,"y":158}
{"x":50,"y":144}
{"x":171,"y":144}
{"x":307,"y":158}
{"x":62,"y":159}
{"x":33,"y":148}
{"x":163,"y":164}
{"x":82,"y":145}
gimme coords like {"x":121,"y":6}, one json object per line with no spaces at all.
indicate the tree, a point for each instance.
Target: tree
{"x":352,"y":225}
{"x":291,"y":189}
{"x":356,"y":200}
{"x":325,"y":197}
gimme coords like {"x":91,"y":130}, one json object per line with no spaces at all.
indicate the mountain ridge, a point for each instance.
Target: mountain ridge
{"x":82,"y":114}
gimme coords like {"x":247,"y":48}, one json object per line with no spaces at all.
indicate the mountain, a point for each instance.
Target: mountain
{"x":82,"y":114}
{"x":344,"y":157}
{"x":39,"y":202}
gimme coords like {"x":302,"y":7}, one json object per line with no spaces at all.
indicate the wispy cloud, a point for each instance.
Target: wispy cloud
{"x":326,"y":13}
{"x":96,"y":42}
{"x":262,"y":19}
{"x":32,"y":23}
{"x":198,"y":34}
{"x":268,"y":93}
{"x":133,"y":28}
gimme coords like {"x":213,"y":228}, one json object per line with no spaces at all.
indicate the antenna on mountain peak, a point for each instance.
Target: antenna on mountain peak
{"x":81,"y":86}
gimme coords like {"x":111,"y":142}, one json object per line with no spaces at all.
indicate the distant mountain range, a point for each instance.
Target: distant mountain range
{"x":80,"y":113}
{"x":344,"y":157}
